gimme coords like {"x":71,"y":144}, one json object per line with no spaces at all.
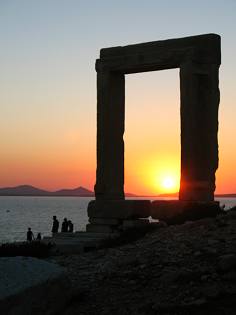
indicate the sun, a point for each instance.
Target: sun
{"x":162,"y":177}
{"x":168,"y":183}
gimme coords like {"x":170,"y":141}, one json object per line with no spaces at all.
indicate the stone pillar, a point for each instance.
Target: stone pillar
{"x":199,"y":126}
{"x":110,"y":130}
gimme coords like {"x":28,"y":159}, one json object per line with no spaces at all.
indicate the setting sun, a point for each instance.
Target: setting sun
{"x":168,"y":183}
{"x":162,"y":174}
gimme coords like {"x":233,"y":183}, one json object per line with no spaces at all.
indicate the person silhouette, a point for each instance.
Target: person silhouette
{"x":39,"y":237}
{"x":70,"y":226}
{"x":30,"y":235}
{"x":64,"y":226}
{"x":55,"y":225}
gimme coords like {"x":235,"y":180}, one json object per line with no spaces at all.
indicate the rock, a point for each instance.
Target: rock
{"x":105,"y":221}
{"x":232,"y":213}
{"x":196,"y":302}
{"x":100,"y":228}
{"x":161,"y":224}
{"x":227,"y":262}
{"x":230,"y":276}
{"x":212,"y":242}
{"x":136,"y":223}
{"x":221,"y":221}
{"x":204,"y":278}
{"x":210,"y":251}
{"x":170,"y":276}
{"x":211,"y":291}
{"x":32,"y":286}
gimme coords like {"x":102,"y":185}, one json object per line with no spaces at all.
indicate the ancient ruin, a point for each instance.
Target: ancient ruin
{"x":198,"y":58}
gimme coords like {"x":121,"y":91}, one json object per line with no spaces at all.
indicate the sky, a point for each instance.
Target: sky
{"x":48,"y":90}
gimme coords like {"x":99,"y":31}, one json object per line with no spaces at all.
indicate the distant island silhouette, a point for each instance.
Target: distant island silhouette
{"x":28,"y":190}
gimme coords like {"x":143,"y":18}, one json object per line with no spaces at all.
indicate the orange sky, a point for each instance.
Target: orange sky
{"x":64,"y":155}
{"x":48,"y":92}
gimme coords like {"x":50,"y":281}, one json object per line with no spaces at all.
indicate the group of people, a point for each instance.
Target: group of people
{"x":66,"y":226}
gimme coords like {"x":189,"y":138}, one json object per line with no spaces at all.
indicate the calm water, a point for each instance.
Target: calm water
{"x":19,"y":213}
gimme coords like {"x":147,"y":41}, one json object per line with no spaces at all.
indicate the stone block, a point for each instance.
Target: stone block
{"x":105,"y":221}
{"x":100,"y":228}
{"x":137,"y":223}
{"x":32,"y":286}
{"x":206,"y":48}
{"x":119,"y":209}
{"x":175,"y":211}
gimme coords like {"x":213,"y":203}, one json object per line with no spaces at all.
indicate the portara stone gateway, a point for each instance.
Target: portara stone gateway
{"x":198,"y":59}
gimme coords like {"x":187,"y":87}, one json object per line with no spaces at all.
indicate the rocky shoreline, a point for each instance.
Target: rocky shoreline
{"x":178,"y":269}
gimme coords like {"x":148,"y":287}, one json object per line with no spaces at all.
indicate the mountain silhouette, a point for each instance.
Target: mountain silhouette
{"x":23,"y":190}
{"x":80,"y":191}
{"x":27,"y":190}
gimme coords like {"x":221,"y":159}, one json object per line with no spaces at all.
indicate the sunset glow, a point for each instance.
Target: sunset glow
{"x":167,"y":182}
{"x":48,"y":92}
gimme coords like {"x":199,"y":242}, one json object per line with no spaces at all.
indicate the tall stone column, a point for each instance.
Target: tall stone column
{"x":199,"y":126}
{"x":110,"y":130}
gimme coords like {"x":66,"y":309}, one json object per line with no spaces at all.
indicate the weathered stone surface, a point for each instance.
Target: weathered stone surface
{"x":138,"y":223}
{"x":79,"y":242}
{"x":32,"y":286}
{"x":199,"y":126}
{"x":175,"y":211}
{"x":110,"y":130}
{"x":119,"y":209}
{"x":159,"y":55}
{"x":227,"y":262}
{"x":105,"y":221}
{"x":99,"y":228}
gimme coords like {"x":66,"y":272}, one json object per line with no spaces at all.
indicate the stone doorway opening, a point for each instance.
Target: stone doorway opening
{"x":152,"y":132}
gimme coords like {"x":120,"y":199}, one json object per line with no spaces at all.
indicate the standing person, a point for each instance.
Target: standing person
{"x":55,"y":225}
{"x":64,"y":226}
{"x":30,"y":235}
{"x":70,"y":226}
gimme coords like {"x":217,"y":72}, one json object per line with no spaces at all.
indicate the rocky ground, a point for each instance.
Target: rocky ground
{"x":181,"y":269}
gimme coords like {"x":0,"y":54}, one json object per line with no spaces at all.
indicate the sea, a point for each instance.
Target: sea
{"x":19,"y":213}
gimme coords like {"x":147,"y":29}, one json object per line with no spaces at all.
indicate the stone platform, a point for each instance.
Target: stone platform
{"x":78,"y":242}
